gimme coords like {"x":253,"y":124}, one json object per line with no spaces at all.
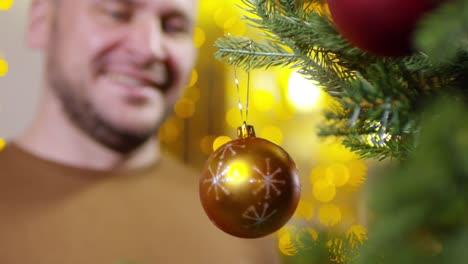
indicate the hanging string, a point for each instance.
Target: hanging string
{"x":239,"y":102}
{"x":236,"y":80}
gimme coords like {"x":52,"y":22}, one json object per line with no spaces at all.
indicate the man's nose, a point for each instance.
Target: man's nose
{"x":146,"y":41}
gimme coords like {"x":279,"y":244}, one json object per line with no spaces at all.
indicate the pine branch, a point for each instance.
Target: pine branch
{"x":242,"y":51}
{"x":389,"y":92}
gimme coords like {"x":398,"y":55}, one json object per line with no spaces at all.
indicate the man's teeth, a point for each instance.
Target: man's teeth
{"x":126,"y":80}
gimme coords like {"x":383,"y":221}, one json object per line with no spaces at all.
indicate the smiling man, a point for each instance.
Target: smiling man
{"x":86,"y":182}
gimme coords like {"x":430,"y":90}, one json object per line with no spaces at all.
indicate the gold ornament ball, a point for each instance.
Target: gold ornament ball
{"x":250,"y":187}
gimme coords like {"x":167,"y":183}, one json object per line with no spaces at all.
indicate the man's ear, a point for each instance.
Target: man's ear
{"x":39,"y":24}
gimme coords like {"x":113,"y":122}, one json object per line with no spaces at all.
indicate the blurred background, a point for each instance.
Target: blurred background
{"x":284,"y":108}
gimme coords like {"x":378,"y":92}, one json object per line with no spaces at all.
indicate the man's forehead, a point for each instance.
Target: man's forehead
{"x":187,"y":7}
{"x":158,"y":4}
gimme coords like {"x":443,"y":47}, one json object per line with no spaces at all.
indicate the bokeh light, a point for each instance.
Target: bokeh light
{"x":184,"y":108}
{"x":283,"y":111}
{"x":272,"y":133}
{"x":357,"y":173}
{"x":302,"y":93}
{"x":193,"y":78}
{"x":285,"y":238}
{"x":329,"y":214}
{"x":193,"y":93}
{"x":5,"y":4}
{"x":233,"y":117}
{"x":324,"y":190}
{"x":2,"y":143}
{"x":338,"y":174}
{"x":219,"y":141}
{"x":356,"y":235}
{"x":206,"y":144}
{"x":169,"y":131}
{"x":199,"y":37}
{"x":263,"y":100}
{"x":304,"y":209}
{"x":3,"y":66}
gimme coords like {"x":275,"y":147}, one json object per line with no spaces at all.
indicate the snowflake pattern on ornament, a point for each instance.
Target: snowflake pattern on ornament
{"x":217,"y":180}
{"x":268,"y":180}
{"x":258,"y":217}
{"x":231,"y":146}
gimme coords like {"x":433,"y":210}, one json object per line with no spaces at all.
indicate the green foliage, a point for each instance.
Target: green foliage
{"x":421,"y":209}
{"x":328,"y":247}
{"x":380,"y":98}
{"x":444,"y":32}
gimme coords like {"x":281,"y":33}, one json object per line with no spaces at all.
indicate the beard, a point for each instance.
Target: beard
{"x":84,"y":115}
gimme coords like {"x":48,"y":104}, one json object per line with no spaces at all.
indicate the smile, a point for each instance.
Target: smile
{"x":127,"y":80}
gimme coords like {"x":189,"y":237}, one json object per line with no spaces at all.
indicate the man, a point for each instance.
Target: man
{"x":86,"y":182}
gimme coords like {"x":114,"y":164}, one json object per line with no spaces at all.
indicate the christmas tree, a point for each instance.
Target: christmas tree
{"x":398,"y":71}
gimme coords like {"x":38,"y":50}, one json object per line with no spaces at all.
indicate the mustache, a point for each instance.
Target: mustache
{"x":157,"y":74}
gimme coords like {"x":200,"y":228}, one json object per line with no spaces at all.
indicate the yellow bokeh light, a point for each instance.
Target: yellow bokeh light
{"x":303,"y":94}
{"x":184,"y":108}
{"x":312,"y":233}
{"x":3,"y":66}
{"x":324,"y":190}
{"x":283,"y":111}
{"x":237,"y":173}
{"x":206,"y":144}
{"x":2,"y":143}
{"x":193,"y":78}
{"x":199,"y":37}
{"x":223,"y":14}
{"x":329,"y":214}
{"x":238,"y":29}
{"x":263,"y":100}
{"x":193,"y":93}
{"x":318,"y":173}
{"x":356,"y":235}
{"x":304,"y":235}
{"x":357,"y":172}
{"x":338,"y":174}
{"x":285,"y":244}
{"x":304,"y":209}
{"x":5,"y":4}
{"x":219,"y":141}
{"x":335,"y":152}
{"x":233,"y":117}
{"x":272,"y":133}
{"x":169,"y":132}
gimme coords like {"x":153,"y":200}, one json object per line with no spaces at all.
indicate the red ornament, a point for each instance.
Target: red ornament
{"x":381,"y":27}
{"x":250,"y":186}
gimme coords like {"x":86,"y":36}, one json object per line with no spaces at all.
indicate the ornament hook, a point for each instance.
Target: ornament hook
{"x":236,"y":80}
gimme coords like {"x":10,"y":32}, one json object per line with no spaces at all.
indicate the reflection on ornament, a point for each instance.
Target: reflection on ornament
{"x":250,"y":186}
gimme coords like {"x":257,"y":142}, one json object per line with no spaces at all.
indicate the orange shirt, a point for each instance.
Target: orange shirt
{"x":56,"y":214}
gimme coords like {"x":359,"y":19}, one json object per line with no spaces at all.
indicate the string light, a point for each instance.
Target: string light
{"x":5,"y":4}
{"x":3,"y":67}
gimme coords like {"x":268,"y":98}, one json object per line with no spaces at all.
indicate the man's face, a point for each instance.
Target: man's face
{"x":118,"y":65}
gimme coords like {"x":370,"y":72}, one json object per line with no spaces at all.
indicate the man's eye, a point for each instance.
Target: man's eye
{"x":175,"y":26}
{"x":119,"y":15}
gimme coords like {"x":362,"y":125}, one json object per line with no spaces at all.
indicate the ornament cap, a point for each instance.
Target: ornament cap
{"x":245,"y":131}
